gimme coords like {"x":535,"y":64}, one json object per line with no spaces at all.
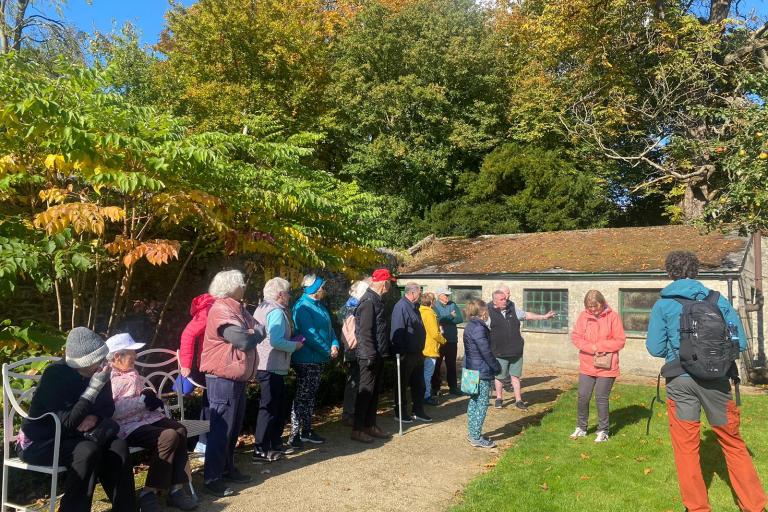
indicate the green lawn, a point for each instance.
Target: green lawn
{"x":545,"y":471}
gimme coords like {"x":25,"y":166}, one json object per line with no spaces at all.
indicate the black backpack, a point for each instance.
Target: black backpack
{"x":707,"y":348}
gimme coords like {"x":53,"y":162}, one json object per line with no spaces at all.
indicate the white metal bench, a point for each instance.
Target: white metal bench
{"x":13,"y":397}
{"x":19,"y":387}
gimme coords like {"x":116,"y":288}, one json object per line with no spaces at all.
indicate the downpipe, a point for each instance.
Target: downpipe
{"x":758,"y":373}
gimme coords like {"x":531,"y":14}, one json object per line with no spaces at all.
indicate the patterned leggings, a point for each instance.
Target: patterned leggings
{"x":307,"y":384}
{"x":478,"y":406}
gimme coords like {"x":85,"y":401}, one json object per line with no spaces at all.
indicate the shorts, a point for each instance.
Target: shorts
{"x":512,"y":367}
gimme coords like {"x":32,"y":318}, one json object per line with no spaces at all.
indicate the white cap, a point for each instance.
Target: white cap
{"x":443,"y":291}
{"x":122,"y":341}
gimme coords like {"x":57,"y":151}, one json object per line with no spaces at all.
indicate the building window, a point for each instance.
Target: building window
{"x":635,"y":306}
{"x":463,"y":294}
{"x":542,"y":301}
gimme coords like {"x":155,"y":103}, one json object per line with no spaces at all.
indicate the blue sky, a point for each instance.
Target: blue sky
{"x":147,"y":15}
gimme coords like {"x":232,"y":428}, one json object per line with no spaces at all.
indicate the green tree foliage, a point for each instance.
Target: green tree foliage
{"x":227,"y":60}
{"x":92,"y":185}
{"x":417,"y":98}
{"x":651,"y":86}
{"x":523,"y":189}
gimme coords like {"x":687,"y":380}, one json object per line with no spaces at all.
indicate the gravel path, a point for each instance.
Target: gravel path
{"x":424,"y":470}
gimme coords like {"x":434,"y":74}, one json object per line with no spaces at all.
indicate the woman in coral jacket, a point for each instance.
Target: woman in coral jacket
{"x":599,"y":335}
{"x":190,"y":349}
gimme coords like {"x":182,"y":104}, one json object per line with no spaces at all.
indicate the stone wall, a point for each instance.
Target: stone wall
{"x":555,"y":348}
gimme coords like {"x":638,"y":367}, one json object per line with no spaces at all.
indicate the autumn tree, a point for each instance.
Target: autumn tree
{"x":92,"y":186}
{"x":228,"y":60}
{"x":652,"y":86}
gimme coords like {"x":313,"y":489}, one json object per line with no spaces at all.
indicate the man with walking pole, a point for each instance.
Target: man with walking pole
{"x":408,"y":337}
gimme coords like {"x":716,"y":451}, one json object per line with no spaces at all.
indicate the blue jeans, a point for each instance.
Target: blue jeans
{"x":226,"y":400}
{"x":477,"y":408}
{"x":429,"y":369}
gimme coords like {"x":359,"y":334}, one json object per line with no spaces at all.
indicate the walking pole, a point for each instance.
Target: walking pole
{"x":399,"y":397}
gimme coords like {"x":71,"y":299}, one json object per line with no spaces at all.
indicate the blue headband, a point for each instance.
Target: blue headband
{"x":319,"y":282}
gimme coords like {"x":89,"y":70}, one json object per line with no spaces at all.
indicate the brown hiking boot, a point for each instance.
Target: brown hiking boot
{"x":359,"y":435}
{"x":375,"y":431}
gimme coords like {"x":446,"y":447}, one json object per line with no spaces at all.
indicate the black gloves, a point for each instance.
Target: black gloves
{"x":150,"y":400}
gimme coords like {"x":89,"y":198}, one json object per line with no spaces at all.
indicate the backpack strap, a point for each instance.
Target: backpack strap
{"x":713,"y":297}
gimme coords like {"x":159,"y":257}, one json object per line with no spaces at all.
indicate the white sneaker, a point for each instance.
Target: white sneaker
{"x":601,"y":437}
{"x":579,"y":432}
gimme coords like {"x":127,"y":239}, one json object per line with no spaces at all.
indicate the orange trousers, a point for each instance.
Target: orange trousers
{"x":741,"y":471}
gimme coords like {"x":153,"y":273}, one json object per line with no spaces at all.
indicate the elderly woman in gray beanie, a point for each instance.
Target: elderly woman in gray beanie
{"x":78,"y":391}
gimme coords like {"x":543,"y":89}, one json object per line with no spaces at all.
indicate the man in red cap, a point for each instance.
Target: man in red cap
{"x":372,"y":335}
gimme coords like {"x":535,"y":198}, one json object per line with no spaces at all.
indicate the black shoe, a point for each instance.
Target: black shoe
{"x":455,"y":392}
{"x":405,"y":419}
{"x":148,"y":502}
{"x":311,"y":437}
{"x":521,"y":405}
{"x":296,"y":443}
{"x":218,"y":488}
{"x":181,"y":500}
{"x":236,"y":476}
{"x":285,"y":449}
{"x":260,"y":457}
{"x":422,"y":417}
{"x":431,"y":401}
{"x":498,"y":403}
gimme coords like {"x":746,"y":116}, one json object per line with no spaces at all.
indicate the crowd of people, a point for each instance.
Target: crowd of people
{"x":105,"y":408}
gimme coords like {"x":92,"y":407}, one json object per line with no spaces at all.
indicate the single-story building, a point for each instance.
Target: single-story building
{"x":553,"y":271}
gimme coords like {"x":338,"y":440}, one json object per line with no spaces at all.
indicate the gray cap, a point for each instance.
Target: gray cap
{"x":84,"y":348}
{"x":444,"y":291}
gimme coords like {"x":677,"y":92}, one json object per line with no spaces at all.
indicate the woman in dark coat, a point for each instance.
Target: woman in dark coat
{"x":478,"y":356}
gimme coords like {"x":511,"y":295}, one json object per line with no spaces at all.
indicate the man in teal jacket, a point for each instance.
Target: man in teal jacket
{"x":313,"y":321}
{"x":449,"y":316}
{"x":687,"y":395}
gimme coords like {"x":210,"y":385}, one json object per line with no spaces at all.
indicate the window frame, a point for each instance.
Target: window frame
{"x":563,"y":310}
{"x":463,"y":305}
{"x":623,"y":309}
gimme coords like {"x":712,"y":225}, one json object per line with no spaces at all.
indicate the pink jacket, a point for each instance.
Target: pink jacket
{"x":192,"y":338}
{"x":130,"y":411}
{"x":606,"y":332}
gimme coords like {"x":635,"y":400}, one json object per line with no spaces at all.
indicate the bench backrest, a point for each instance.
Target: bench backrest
{"x":19,"y":383}
{"x":161,"y":368}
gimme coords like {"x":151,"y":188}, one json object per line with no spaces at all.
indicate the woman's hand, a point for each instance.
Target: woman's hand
{"x":594,"y":348}
{"x":334,"y":352}
{"x":88,"y":423}
{"x":185,"y":371}
{"x":150,"y":400}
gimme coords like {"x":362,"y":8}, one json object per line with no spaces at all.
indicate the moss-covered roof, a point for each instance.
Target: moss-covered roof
{"x":593,"y":250}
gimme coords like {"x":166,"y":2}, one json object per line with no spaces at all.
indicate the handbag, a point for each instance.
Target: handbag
{"x":103,"y":433}
{"x":470,"y":381}
{"x":603,"y":360}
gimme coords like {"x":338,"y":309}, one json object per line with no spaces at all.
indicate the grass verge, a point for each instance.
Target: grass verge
{"x":545,"y":471}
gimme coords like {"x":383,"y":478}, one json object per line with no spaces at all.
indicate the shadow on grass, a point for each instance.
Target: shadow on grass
{"x":513,"y":428}
{"x":627,"y":416}
{"x":713,"y":463}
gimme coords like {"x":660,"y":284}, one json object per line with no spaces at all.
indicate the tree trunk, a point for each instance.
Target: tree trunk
{"x":718,"y":10}
{"x":122,"y":293}
{"x":170,"y":293}
{"x":695,"y":200}
{"x":59,"y":312}
{"x":93,"y":309}
{"x":115,"y":298}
